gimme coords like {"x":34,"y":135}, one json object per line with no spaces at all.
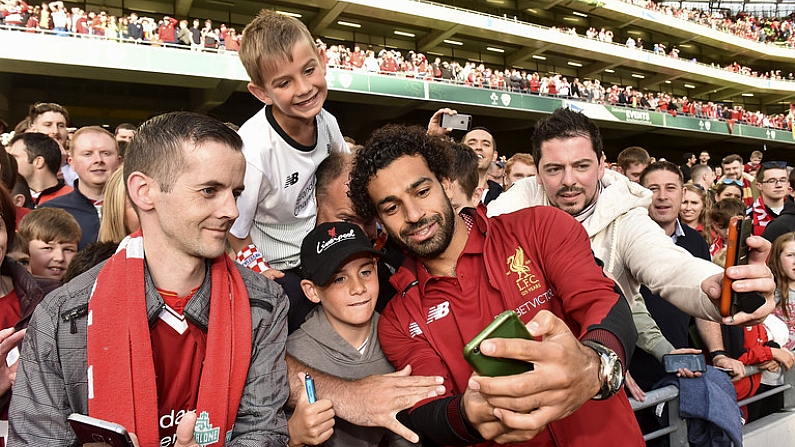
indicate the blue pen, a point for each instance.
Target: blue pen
{"x":310,"y":388}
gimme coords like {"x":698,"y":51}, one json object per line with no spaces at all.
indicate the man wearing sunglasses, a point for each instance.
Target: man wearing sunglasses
{"x":773,"y":185}
{"x":733,"y":169}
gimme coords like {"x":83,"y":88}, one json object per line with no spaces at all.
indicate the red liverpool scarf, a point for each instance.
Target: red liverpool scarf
{"x":760,"y":216}
{"x":121,"y":369}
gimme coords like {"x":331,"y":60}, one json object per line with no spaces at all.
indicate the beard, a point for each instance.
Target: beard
{"x":575,"y":208}
{"x":436,"y":245}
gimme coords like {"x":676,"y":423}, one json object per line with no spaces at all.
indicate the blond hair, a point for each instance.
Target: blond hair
{"x":268,"y":40}
{"x":92,"y":129}
{"x":112,"y":228}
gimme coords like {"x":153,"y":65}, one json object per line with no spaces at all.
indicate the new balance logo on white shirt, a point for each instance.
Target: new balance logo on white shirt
{"x":292,"y":179}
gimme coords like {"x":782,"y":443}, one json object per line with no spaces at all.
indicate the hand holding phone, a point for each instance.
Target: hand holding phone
{"x":732,"y":302}
{"x":692,"y":362}
{"x":458,"y":121}
{"x":506,"y":325}
{"x":92,"y":430}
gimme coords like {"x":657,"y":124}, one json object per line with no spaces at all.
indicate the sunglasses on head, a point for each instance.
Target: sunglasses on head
{"x":728,"y":181}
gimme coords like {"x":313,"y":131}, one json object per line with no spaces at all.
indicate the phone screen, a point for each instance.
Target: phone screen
{"x":692,"y":362}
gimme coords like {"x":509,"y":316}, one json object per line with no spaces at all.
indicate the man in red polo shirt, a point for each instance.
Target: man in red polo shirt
{"x":462,"y":271}
{"x":177,"y":343}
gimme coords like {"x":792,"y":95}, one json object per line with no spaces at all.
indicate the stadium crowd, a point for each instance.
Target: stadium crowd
{"x":761,"y":28}
{"x":168,"y":31}
{"x":196,"y":281}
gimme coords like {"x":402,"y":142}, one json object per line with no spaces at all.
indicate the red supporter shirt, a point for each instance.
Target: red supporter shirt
{"x":9,"y":310}
{"x":9,"y":316}
{"x":178,"y":348}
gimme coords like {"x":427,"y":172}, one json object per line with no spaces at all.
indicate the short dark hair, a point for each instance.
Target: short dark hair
{"x":88,"y":257}
{"x":41,"y":108}
{"x":764,"y":167}
{"x":465,"y":169}
{"x":40,"y":145}
{"x":729,"y":159}
{"x":566,"y":123}
{"x":386,"y":145}
{"x":330,"y":170}
{"x":124,"y":126}
{"x":484,"y":129}
{"x":687,"y":156}
{"x":661,"y":166}
{"x":157,"y":149}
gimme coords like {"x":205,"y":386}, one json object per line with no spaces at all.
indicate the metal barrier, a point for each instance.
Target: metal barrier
{"x":677,"y":427}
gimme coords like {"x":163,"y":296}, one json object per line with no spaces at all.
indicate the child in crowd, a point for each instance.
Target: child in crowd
{"x":340,"y":336}
{"x":52,"y":235}
{"x":18,"y":251}
{"x":782,"y":264}
{"x":283,"y":144}
{"x":464,"y":191}
{"x":719,"y":217}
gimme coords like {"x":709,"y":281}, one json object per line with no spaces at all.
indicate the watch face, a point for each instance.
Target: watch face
{"x":617,"y":377}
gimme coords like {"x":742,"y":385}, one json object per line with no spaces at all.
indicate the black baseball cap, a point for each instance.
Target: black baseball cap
{"x":328,"y":246}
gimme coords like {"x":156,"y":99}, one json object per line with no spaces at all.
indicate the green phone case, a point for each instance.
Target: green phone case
{"x":506,"y":325}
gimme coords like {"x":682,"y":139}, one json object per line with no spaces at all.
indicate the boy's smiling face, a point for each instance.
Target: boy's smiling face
{"x":350,"y":296}
{"x":50,"y":259}
{"x":296,"y":89}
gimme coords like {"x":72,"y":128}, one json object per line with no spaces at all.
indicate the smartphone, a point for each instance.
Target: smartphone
{"x":732,"y":302}
{"x":506,"y":325}
{"x":90,"y":430}
{"x":459,"y":121}
{"x":693,"y":362}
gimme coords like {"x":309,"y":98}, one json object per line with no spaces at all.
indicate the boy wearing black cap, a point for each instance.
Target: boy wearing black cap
{"x":339,"y":337}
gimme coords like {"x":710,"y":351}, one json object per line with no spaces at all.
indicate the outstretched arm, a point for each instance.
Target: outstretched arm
{"x":371,"y":402}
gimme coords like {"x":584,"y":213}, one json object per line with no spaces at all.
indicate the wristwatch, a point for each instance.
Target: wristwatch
{"x":611,"y":372}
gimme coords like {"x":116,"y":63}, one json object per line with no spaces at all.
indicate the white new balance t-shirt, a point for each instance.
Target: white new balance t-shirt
{"x":278,"y":206}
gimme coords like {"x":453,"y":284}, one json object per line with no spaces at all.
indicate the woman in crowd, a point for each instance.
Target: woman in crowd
{"x":695,"y":208}
{"x":782,"y":264}
{"x":118,"y":216}
{"x":19,"y":295}
{"x":729,"y":189}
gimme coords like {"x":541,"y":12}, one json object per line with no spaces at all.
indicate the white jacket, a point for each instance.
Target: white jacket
{"x":634,"y":249}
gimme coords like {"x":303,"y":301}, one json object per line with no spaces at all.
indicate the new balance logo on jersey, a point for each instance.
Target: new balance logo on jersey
{"x":414,"y":329}
{"x":438,"y":312}
{"x":292,"y":179}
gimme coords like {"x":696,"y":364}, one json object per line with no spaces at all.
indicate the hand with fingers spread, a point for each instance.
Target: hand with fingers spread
{"x":397,"y":391}
{"x":565,"y":376}
{"x":370,"y":402}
